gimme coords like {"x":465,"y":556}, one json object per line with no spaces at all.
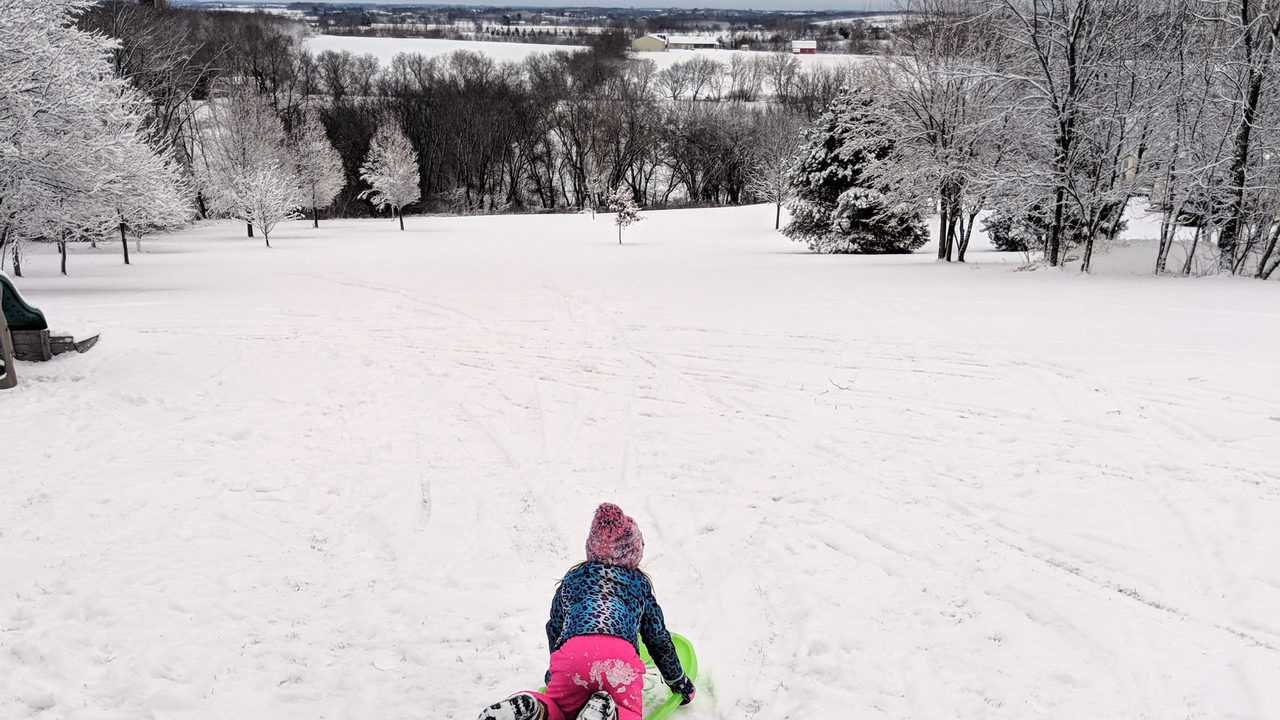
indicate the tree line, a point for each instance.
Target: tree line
{"x":556,"y":130}
{"x":250,"y":125}
{"x":1053,"y":118}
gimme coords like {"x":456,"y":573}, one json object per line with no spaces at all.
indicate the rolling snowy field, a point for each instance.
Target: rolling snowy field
{"x":671,"y":57}
{"x":385,"y":49}
{"x":339,"y":478}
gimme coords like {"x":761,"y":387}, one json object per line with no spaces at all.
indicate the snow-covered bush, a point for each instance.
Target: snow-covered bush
{"x":1024,"y":230}
{"x":837,"y":208}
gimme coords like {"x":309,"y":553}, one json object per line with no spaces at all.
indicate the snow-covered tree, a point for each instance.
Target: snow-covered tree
{"x":244,"y":165}
{"x":316,"y":163}
{"x":837,"y":207}
{"x":1251,"y":62}
{"x":70,"y":130}
{"x":268,"y":199}
{"x":940,"y":96}
{"x":626,"y":212}
{"x":1083,"y":75}
{"x":391,"y":169}
{"x":775,"y":152}
{"x":155,"y":198}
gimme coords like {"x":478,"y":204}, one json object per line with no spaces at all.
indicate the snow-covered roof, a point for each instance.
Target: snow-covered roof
{"x":691,"y":40}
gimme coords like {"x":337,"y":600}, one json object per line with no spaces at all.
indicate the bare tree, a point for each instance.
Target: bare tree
{"x":781,"y":70}
{"x":778,"y":138}
{"x":945,"y":103}
{"x":705,"y":77}
{"x":674,"y":80}
{"x":1072,"y":62}
{"x":1254,"y":29}
{"x":746,"y":78}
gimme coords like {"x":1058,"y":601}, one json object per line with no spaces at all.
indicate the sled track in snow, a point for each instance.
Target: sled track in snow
{"x":889,"y":486}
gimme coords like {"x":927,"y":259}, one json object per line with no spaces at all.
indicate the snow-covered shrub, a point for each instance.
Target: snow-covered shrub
{"x":1014,"y":230}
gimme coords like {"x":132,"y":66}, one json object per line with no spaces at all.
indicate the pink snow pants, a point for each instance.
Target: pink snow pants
{"x":587,"y":664}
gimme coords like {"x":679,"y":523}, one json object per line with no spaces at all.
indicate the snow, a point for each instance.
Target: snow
{"x":339,"y":478}
{"x":266,"y":9}
{"x":385,"y":49}
{"x":880,"y":20}
{"x":671,"y":57}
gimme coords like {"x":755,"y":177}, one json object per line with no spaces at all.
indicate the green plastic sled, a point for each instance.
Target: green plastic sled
{"x":688,"y":661}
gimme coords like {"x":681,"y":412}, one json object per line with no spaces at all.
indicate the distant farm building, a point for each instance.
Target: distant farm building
{"x":804,"y":47}
{"x":691,"y":42}
{"x":648,"y":43}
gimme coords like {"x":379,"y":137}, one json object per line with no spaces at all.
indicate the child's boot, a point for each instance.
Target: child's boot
{"x":599,"y":707}
{"x":517,"y":707}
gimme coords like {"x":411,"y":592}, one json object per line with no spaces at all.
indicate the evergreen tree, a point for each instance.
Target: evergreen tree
{"x":837,"y":207}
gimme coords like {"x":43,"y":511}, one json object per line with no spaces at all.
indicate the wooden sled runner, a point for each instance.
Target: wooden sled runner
{"x":29,"y":331}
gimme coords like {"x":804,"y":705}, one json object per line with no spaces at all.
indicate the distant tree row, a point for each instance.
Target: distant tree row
{"x":551,"y":133}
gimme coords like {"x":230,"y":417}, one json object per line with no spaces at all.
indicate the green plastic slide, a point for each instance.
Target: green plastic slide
{"x":688,"y":661}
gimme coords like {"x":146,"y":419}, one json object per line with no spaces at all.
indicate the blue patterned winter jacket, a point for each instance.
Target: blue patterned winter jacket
{"x":599,"y":599}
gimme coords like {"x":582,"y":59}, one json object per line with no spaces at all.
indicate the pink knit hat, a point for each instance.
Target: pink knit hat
{"x":614,"y":538}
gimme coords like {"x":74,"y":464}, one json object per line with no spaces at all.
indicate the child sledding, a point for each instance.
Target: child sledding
{"x":600,"y":608}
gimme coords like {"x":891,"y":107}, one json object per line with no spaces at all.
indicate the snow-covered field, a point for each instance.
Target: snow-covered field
{"x":385,"y":49}
{"x":671,"y":57}
{"x":880,"y":20}
{"x":339,"y":478}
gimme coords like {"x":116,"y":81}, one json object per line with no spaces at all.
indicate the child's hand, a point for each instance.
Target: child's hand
{"x":684,"y":688}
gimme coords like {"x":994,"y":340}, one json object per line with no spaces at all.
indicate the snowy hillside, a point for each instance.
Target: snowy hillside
{"x":339,"y":478}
